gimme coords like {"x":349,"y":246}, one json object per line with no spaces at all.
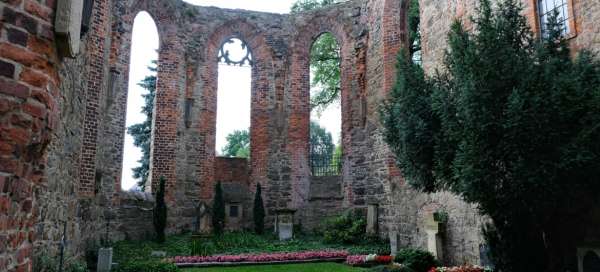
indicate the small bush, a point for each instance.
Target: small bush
{"x":390,"y":268}
{"x":202,"y":247}
{"x":147,"y":266}
{"x":218,"y":210}
{"x":417,"y":260}
{"x":346,"y":229}
{"x":50,"y":264}
{"x":159,"y":214}
{"x":259,"y":211}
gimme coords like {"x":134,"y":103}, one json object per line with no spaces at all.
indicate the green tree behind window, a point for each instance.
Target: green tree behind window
{"x":321,"y":141}
{"x":238,"y":144}
{"x":142,"y":132}
{"x":324,"y":61}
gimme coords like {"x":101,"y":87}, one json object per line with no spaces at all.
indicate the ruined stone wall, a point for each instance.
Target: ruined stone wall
{"x":232,"y":170}
{"x":326,"y":201}
{"x":62,"y":121}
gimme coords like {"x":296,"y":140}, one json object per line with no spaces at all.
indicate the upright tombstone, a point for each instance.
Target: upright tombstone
{"x":104,"y":260}
{"x":394,"y":240}
{"x":372,"y":222}
{"x":203,"y":220}
{"x":434,"y":239}
{"x":285,"y":224}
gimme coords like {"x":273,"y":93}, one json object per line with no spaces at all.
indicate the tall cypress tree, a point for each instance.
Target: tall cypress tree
{"x":159,"y":213}
{"x":218,"y":210}
{"x":259,"y":211}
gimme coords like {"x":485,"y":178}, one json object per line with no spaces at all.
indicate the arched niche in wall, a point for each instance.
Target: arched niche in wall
{"x":141,"y":91}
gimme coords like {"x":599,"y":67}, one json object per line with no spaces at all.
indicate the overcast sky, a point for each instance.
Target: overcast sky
{"x":233,"y":106}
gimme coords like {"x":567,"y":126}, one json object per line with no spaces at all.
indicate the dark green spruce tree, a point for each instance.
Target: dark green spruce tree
{"x":218,"y":210}
{"x":141,"y":132}
{"x":512,"y":124}
{"x":159,"y":213}
{"x":259,"y":211}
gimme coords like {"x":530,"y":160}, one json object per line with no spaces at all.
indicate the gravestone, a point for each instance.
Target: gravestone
{"x":372,"y":218}
{"x":484,"y":256}
{"x":104,"y":260}
{"x":203,"y":220}
{"x":434,"y":238}
{"x":394,"y":239}
{"x":285,"y":224}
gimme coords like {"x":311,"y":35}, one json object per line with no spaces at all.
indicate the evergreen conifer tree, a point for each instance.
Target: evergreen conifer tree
{"x":259,"y":211}
{"x":159,"y":212}
{"x":512,"y":126}
{"x":218,"y":210}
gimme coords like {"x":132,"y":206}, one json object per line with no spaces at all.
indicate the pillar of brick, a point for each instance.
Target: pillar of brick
{"x":28,"y":88}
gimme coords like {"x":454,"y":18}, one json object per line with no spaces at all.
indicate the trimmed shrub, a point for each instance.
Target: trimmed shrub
{"x":348,"y":228}
{"x":218,"y":210}
{"x":417,"y":260}
{"x":259,"y":211}
{"x":202,"y":247}
{"x":159,"y":214}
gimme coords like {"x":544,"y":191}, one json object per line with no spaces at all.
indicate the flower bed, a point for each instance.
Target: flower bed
{"x":260,"y":258}
{"x":372,"y":259}
{"x":468,"y":268}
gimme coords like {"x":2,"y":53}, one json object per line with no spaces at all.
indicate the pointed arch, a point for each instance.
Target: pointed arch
{"x":262,"y":97}
{"x":143,"y":53}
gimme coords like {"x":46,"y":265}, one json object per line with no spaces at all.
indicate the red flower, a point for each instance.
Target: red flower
{"x":383,"y":259}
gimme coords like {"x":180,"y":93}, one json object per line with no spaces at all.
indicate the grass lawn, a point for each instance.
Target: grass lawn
{"x":308,"y":267}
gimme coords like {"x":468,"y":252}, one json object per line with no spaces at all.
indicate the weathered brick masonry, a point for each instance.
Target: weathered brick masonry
{"x":62,"y":121}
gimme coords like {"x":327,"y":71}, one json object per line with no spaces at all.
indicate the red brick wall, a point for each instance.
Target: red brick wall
{"x":261,"y":98}
{"x":232,"y":170}
{"x":28,"y":88}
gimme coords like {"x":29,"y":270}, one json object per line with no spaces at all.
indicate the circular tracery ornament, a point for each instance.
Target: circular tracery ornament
{"x":230,"y":55}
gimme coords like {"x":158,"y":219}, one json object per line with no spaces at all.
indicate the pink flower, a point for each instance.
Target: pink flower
{"x":356,"y":259}
{"x":266,"y":257}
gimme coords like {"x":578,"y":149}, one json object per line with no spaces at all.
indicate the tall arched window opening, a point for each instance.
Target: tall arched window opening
{"x":140,"y":102}
{"x":233,"y":99}
{"x":326,"y":115}
{"x":414,"y":31}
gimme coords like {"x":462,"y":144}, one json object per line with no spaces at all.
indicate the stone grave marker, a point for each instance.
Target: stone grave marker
{"x":285,"y":224}
{"x":434,"y":239}
{"x":372,"y":216}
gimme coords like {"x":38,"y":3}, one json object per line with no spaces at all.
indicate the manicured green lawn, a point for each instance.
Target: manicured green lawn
{"x":309,"y":267}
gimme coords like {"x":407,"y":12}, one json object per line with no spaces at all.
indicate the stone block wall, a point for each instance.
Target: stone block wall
{"x":326,"y":201}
